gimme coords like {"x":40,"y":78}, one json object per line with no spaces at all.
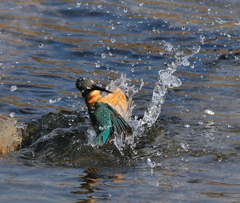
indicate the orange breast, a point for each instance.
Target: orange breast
{"x":116,"y":99}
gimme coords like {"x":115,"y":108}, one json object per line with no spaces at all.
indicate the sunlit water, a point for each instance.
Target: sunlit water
{"x":181,"y":60}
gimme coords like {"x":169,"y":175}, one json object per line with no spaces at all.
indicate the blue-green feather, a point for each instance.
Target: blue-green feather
{"x":102,"y":123}
{"x":106,"y":121}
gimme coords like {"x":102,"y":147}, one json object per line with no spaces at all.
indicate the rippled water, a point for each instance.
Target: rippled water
{"x":191,"y":153}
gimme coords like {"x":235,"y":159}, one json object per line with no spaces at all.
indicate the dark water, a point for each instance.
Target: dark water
{"x":190,"y":154}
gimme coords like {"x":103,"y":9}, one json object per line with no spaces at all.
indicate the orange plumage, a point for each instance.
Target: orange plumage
{"x":108,"y":113}
{"x":116,"y":99}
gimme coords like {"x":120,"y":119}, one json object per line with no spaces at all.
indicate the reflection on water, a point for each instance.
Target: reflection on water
{"x":190,"y":153}
{"x":89,"y":186}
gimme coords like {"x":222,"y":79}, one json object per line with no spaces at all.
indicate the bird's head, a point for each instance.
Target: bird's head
{"x":83,"y":84}
{"x":87,"y":85}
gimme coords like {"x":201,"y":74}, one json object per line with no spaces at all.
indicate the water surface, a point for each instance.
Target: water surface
{"x":191,"y":153}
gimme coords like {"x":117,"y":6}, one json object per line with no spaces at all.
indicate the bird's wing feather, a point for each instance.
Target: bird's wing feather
{"x":108,"y":121}
{"x":102,"y":123}
{"x":119,"y":124}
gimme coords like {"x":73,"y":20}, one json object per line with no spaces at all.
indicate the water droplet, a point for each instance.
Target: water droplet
{"x":151,"y":163}
{"x":169,"y":47}
{"x":219,"y":159}
{"x":184,"y":146}
{"x":186,"y":125}
{"x":69,"y":7}
{"x":13,"y":88}
{"x":113,"y":40}
{"x":237,"y":22}
{"x":200,"y":122}
{"x":78,"y":5}
{"x":103,"y":56}
{"x":41,"y":45}
{"x":141,"y":85}
{"x":141,"y":4}
{"x":159,"y":153}
{"x":209,"y":112}
{"x":52,"y":101}
{"x":132,"y":70}
{"x":202,"y":39}
{"x":125,"y":10}
{"x":97,"y":65}
{"x":12,"y":114}
{"x":186,"y":63}
{"x":192,"y":66}
{"x":220,"y":21}
{"x":135,"y":152}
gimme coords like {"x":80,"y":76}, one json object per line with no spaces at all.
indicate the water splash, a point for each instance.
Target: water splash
{"x":129,"y":90}
{"x":166,"y":80}
{"x":13,"y":88}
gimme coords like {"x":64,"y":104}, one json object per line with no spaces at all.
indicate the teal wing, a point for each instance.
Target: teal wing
{"x":102,"y":123}
{"x":107,"y":121}
{"x":119,"y":124}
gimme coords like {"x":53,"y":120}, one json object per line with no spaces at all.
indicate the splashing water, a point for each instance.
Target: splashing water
{"x":166,"y":80}
{"x":129,"y":91}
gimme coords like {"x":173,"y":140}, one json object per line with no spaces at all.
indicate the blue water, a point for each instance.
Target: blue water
{"x":191,"y":153}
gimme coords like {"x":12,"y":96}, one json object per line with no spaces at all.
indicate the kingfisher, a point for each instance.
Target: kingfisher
{"x":106,"y":110}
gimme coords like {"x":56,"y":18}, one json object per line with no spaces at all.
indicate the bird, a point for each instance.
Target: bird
{"x":106,"y":112}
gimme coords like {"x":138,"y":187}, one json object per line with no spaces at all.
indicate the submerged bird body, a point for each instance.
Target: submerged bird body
{"x":106,"y":112}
